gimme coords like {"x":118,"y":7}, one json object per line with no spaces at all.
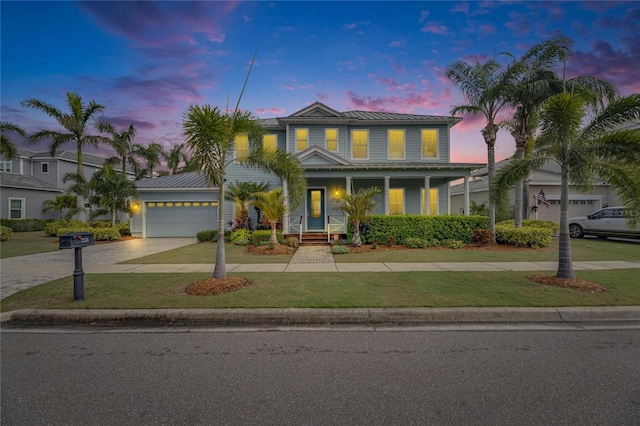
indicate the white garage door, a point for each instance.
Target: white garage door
{"x":180,"y":219}
{"x":576,"y":208}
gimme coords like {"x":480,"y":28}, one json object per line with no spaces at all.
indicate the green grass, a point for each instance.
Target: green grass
{"x":23,"y":243}
{"x":331,"y":290}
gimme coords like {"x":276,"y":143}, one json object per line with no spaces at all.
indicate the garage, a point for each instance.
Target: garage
{"x":179,"y":218}
{"x":576,"y":208}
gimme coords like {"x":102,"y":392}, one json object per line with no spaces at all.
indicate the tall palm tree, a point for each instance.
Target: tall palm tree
{"x":75,"y":124}
{"x":111,"y":192}
{"x":122,"y":143}
{"x":175,"y":156}
{"x":244,"y":193}
{"x":7,"y":149}
{"x":358,"y":206}
{"x":484,"y":88}
{"x":586,"y":144}
{"x":272,"y":204}
{"x":152,"y":154}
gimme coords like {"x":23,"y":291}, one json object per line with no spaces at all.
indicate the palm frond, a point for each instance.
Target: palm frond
{"x":615,"y":114}
{"x":517,"y":170}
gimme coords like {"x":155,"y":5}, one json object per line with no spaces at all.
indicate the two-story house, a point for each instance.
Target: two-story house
{"x":406,"y":155}
{"x":34,"y":176}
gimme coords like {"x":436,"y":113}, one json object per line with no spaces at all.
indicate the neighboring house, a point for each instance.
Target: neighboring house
{"x":341,"y":152}
{"x":546,"y":179}
{"x":34,"y":177}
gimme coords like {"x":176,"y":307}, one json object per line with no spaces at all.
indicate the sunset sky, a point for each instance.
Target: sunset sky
{"x":147,"y":61}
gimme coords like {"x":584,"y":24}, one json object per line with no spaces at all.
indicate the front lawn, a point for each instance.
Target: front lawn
{"x":23,"y":243}
{"x":331,"y":290}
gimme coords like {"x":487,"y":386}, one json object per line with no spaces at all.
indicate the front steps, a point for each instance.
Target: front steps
{"x":315,"y":238}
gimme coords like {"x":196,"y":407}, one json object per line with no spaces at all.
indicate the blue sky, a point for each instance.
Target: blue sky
{"x":147,"y":61}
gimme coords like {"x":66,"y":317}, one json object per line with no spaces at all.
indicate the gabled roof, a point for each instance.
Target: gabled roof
{"x":321,"y":156}
{"x":180,"y":181}
{"x":14,"y":180}
{"x":317,"y":109}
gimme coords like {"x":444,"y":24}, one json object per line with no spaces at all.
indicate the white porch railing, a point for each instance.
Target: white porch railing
{"x":336,"y":225}
{"x":295,"y":225}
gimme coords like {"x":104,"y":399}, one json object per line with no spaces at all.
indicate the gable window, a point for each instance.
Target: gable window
{"x":16,"y":208}
{"x":433,"y":201}
{"x":302,"y":139}
{"x":270,"y":142}
{"x":396,"y":144}
{"x":44,"y":168}
{"x":396,"y":201}
{"x":331,"y":139}
{"x":360,"y":144}
{"x":429,"y":138}
{"x":242,"y":146}
{"x":5,"y":166}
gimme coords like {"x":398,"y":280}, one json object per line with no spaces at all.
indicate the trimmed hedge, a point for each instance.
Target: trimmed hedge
{"x":262,"y":237}
{"x":207,"y":235}
{"x":426,"y":228}
{"x":529,"y":236}
{"x":99,"y":234}
{"x":52,"y":229}
{"x":532,"y":223}
{"x":5,"y":233}
{"x":25,"y":225}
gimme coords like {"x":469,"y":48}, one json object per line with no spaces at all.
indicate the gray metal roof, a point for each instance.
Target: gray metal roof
{"x":191,"y":180}
{"x":391,"y":116}
{"x":14,"y":180}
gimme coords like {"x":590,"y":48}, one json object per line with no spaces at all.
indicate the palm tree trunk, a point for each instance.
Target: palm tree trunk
{"x":491,"y":167}
{"x":220,"y":270}
{"x":518,"y":192}
{"x":565,"y":263}
{"x":274,"y":235}
{"x":82,"y":214}
{"x":356,"y":241}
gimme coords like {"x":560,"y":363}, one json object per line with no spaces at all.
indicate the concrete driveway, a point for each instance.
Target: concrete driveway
{"x":18,"y":273}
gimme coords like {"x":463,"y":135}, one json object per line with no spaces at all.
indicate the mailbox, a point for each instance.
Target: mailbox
{"x":76,"y":240}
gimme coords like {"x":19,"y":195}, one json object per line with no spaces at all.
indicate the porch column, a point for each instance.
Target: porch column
{"x":347,"y":185}
{"x":285,"y":215}
{"x":466,"y":195}
{"x":427,"y":200}
{"x":386,"y":195}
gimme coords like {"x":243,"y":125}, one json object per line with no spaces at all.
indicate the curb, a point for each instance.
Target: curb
{"x":310,"y":316}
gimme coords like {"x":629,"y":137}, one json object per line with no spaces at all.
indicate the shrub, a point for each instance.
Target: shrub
{"x":106,"y":234}
{"x":207,"y":235}
{"x":481,"y":237}
{"x":532,"y":223}
{"x":340,"y":250}
{"x":412,"y":243}
{"x":24,"y":225}
{"x":240,"y":234}
{"x":374,"y":245}
{"x":263,"y":236}
{"x":292,"y":242}
{"x":123,"y":228}
{"x":241,"y":242}
{"x":534,"y":237}
{"x":390,"y":240}
{"x":52,"y":229}
{"x":453,"y":244}
{"x":100,"y":224}
{"x":5,"y":233}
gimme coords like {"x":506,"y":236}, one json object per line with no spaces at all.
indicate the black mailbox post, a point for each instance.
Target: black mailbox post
{"x":77,"y":240}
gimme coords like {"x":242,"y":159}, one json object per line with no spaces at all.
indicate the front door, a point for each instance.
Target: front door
{"x":315,"y":210}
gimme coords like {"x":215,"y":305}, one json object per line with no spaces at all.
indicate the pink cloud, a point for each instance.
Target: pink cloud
{"x":395,"y":43}
{"x":273,"y":110}
{"x":288,"y":87}
{"x":434,"y":28}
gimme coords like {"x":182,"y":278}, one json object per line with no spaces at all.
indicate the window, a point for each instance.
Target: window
{"x":331,"y":139}
{"x":5,"y":166}
{"x":242,"y":146}
{"x":302,"y":139}
{"x":396,"y":144}
{"x":433,"y":201}
{"x":44,"y":167}
{"x":429,"y":138}
{"x":396,"y":201}
{"x":16,"y":208}
{"x":360,"y":144}
{"x":270,"y":142}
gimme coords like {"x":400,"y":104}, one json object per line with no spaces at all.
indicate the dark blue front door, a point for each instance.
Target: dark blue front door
{"x":315,"y":209}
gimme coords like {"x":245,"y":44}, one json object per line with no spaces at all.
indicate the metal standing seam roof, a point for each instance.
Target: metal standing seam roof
{"x":191,"y":180}
{"x":14,"y":180}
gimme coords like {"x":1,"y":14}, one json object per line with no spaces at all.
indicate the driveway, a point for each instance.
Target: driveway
{"x":19,"y":273}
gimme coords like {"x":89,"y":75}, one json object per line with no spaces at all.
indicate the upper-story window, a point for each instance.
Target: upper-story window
{"x":270,"y":142}
{"x":331,"y":139}
{"x":242,"y":145}
{"x":5,"y":166}
{"x":429,"y":138}
{"x":360,"y":144}
{"x":396,"y":201}
{"x":44,"y":168}
{"x":302,"y":139}
{"x":396,"y":144}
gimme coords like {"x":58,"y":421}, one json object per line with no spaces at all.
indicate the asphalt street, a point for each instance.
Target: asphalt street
{"x":441,"y":375}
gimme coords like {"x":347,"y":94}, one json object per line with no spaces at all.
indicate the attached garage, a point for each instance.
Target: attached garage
{"x":577,"y":207}
{"x":179,"y":218}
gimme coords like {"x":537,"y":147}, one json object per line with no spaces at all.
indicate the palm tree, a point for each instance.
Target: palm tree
{"x":111,"y":192}
{"x":243,"y":193}
{"x":484,"y":88}
{"x":151,"y":154}
{"x":61,"y":203}
{"x":272,"y":204}
{"x":122,"y":143}
{"x":583,"y":153}
{"x":358,"y":206}
{"x":175,"y":156}
{"x":75,"y":126}
{"x":7,"y":149}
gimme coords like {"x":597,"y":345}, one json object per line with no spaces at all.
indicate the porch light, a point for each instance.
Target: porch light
{"x":136,"y":207}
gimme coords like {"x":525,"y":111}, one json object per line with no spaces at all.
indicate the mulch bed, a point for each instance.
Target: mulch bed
{"x":573,"y":284}
{"x":212,"y":286}
{"x":278,"y":249}
{"x":489,"y":247}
